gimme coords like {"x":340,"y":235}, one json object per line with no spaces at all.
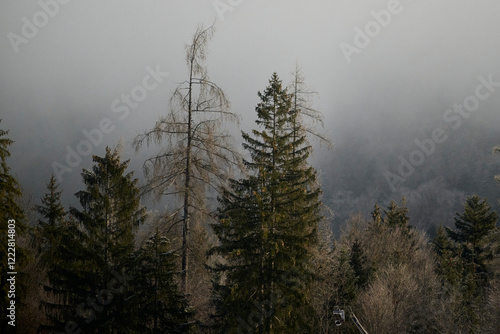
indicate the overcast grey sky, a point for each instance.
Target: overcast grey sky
{"x":64,"y":63}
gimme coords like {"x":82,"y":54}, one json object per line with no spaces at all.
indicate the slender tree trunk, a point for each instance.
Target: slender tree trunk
{"x":155,"y":324}
{"x":268,"y":320}
{"x":295,"y":113}
{"x":185,"y":225}
{"x":107,"y":237}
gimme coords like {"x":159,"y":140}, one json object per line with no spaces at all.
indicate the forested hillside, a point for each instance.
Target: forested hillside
{"x":354,"y":176}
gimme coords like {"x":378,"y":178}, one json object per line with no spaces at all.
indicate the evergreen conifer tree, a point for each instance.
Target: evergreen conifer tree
{"x":358,"y":261}
{"x":396,"y":215}
{"x":449,"y":265}
{"x":156,"y":304}
{"x":63,"y":267}
{"x":52,"y":219}
{"x":345,"y":286}
{"x":470,"y":234}
{"x":268,"y":224}
{"x":88,"y":272}
{"x":48,"y":238}
{"x":471,"y":245}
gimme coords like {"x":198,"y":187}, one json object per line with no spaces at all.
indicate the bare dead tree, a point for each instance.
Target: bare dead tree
{"x":196,"y":152}
{"x":309,"y":118}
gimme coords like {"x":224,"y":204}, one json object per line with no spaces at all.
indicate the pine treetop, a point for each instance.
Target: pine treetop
{"x":475,"y":223}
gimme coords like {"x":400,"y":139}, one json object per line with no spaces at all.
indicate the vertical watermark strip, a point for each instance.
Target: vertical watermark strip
{"x":11,"y":271}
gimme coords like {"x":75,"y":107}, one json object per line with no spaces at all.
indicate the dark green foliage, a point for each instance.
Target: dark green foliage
{"x":470,"y":236}
{"x":10,"y":194}
{"x":268,"y":224}
{"x":345,"y":281}
{"x":155,"y":303}
{"x":359,"y":263}
{"x":345,"y":287}
{"x":397,"y":215}
{"x":465,"y":254}
{"x":449,"y":264}
{"x":88,"y":275}
{"x":469,"y":309}
{"x":63,"y":279}
{"x":394,"y":216}
{"x":52,"y":218}
{"x":49,"y":237}
{"x":475,"y":223}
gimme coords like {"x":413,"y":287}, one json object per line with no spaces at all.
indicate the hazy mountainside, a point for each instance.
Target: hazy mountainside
{"x":354,"y":176}
{"x":352,"y":173}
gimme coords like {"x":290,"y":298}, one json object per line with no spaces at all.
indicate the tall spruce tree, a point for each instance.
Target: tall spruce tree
{"x":52,"y":219}
{"x":63,"y":268}
{"x":10,"y":213}
{"x":472,"y":245}
{"x":470,"y":235}
{"x":48,"y":238}
{"x":89,"y":269}
{"x":268,"y":224}
{"x":156,"y":303}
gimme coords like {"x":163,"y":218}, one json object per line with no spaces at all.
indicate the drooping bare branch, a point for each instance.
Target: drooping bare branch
{"x":309,"y":117}
{"x":195,"y":152}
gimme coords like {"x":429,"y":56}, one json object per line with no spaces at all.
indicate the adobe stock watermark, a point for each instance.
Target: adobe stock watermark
{"x":31,"y":26}
{"x":453,"y":117}
{"x":121,"y":107}
{"x":223,"y":6}
{"x":363,"y":37}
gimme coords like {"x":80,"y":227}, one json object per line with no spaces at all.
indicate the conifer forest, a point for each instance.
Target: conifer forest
{"x":197,"y":222}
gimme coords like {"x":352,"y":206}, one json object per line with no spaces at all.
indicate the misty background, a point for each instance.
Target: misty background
{"x":394,"y":91}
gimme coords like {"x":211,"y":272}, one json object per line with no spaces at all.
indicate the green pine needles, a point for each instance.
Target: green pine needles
{"x":268,"y":225}
{"x":94,"y":248}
